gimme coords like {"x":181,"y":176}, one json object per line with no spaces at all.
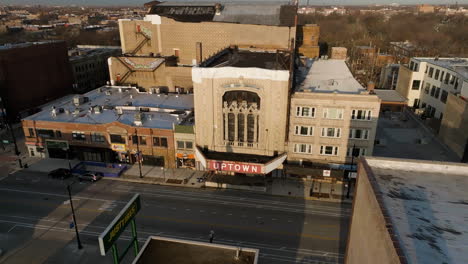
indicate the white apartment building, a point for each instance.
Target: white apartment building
{"x":426,"y":82}
{"x":332,"y":117}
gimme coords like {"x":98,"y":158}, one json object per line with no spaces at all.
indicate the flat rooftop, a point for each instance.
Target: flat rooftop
{"x":390,"y":96}
{"x":164,"y":250}
{"x":121,"y":104}
{"x":427,"y":203}
{"x":459,"y":65}
{"x":327,"y":76}
{"x":233,"y":57}
{"x":27,"y":44}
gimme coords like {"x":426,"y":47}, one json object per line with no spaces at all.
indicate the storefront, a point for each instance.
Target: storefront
{"x":58,"y":149}
{"x":185,"y":160}
{"x":36,"y":149}
{"x":121,"y":153}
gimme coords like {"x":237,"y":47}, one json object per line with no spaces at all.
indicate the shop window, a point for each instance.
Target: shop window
{"x":117,"y":139}
{"x":77,"y":135}
{"x":45,"y":133}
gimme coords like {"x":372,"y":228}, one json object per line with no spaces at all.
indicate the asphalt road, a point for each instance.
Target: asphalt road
{"x":35,"y":216}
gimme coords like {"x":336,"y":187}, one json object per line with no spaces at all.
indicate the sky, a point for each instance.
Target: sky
{"x":311,"y":2}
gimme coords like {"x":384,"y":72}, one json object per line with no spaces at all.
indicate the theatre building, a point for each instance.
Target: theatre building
{"x":243,"y":97}
{"x":112,"y":125}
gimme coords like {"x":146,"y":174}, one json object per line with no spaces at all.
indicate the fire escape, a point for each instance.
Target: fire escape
{"x":140,"y":45}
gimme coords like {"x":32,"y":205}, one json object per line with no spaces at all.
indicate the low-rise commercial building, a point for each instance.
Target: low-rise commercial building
{"x":408,"y":211}
{"x":332,"y":117}
{"x":110,"y":124}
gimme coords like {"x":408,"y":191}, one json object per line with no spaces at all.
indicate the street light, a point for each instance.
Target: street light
{"x":138,"y":152}
{"x":74,"y":218}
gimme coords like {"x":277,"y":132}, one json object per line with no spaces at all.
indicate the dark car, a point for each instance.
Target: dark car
{"x":60,"y":173}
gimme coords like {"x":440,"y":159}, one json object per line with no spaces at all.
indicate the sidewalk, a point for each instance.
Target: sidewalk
{"x":162,"y":176}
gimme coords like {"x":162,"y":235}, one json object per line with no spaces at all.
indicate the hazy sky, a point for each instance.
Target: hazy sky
{"x":312,"y":2}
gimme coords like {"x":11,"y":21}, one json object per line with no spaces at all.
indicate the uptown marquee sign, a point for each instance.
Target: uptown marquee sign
{"x":239,"y":167}
{"x":127,"y":216}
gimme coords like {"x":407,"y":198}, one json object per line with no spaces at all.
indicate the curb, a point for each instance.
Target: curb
{"x":150,"y":182}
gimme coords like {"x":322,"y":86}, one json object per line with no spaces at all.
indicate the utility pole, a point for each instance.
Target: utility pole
{"x":74,"y":218}
{"x":8,"y":125}
{"x":138,"y":152}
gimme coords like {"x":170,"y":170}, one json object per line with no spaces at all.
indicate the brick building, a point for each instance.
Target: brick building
{"x":110,"y":124}
{"x":32,"y":74}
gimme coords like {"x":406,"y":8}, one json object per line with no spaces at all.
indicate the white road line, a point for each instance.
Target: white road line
{"x":11,"y":228}
{"x":53,"y":226}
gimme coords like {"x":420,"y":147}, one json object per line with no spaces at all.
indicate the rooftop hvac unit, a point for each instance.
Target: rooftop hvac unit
{"x":157,"y":90}
{"x":53,"y":112}
{"x":119,"y":111}
{"x":76,"y":111}
{"x":138,"y":119}
{"x":67,"y":111}
{"x":150,"y":117}
{"x":131,"y":96}
{"x":120,"y":90}
{"x":78,"y":100}
{"x":99,"y":90}
{"x":97,"y":109}
{"x":108,"y":92}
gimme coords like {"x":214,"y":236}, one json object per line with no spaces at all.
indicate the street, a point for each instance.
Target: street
{"x":35,"y":218}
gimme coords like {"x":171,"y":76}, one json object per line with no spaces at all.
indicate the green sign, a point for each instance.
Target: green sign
{"x":113,"y":231}
{"x":57,"y":144}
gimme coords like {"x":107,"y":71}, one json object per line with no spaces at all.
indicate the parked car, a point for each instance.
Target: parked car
{"x":60,"y":173}
{"x":90,"y":176}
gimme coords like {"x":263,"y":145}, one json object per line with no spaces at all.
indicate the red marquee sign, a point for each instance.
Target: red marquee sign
{"x":235,"y":167}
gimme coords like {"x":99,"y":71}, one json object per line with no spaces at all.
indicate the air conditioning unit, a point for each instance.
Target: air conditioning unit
{"x":108,"y":92}
{"x":78,"y":100}
{"x":119,"y":111}
{"x":97,"y":109}
{"x":138,"y":119}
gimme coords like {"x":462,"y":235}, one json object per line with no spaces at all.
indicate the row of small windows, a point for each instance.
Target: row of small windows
{"x":435,"y":92}
{"x":333,"y":113}
{"x":329,"y":150}
{"x":442,"y":76}
{"x":331,"y":132}
{"x":101,"y":138}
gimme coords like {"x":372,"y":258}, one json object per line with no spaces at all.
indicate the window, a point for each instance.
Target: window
{"x":442,"y":76}
{"x":117,"y":139}
{"x":304,"y":131}
{"x":184,"y":144}
{"x":447,"y":78}
{"x":77,"y":135}
{"x":427,"y":87}
{"x":142,"y":140}
{"x":361,"y":114}
{"x":303,"y":148}
{"x":358,"y":133}
{"x":416,"y":84}
{"x":437,"y":74}
{"x":444,"y":96}
{"x":58,"y":133}
{"x":431,"y":72}
{"x":98,"y":137}
{"x":160,"y":142}
{"x":456,"y":83}
{"x":333,"y":113}
{"x":433,"y":90}
{"x":452,"y":79}
{"x":329,"y":150}
{"x":427,"y":67}
{"x":45,"y":133}
{"x":411,"y":65}
{"x":416,"y":66}
{"x":31,"y":132}
{"x":331,"y":132}
{"x":356,"y":152}
{"x":304,"y":111}
{"x":437,"y":92}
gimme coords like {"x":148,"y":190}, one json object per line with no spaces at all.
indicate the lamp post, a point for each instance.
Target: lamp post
{"x":74,"y":218}
{"x":138,"y":152}
{"x":10,"y":129}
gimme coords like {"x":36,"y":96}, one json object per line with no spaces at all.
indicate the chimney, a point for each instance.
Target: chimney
{"x":371,"y":87}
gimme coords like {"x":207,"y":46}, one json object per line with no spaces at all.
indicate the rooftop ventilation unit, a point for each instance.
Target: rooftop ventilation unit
{"x":120,"y":90}
{"x":76,"y":111}
{"x":138,"y":119}
{"x":53,"y":112}
{"x":67,"y":111}
{"x":108,"y":92}
{"x":97,"y":109}
{"x":119,"y":111}
{"x":78,"y":100}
